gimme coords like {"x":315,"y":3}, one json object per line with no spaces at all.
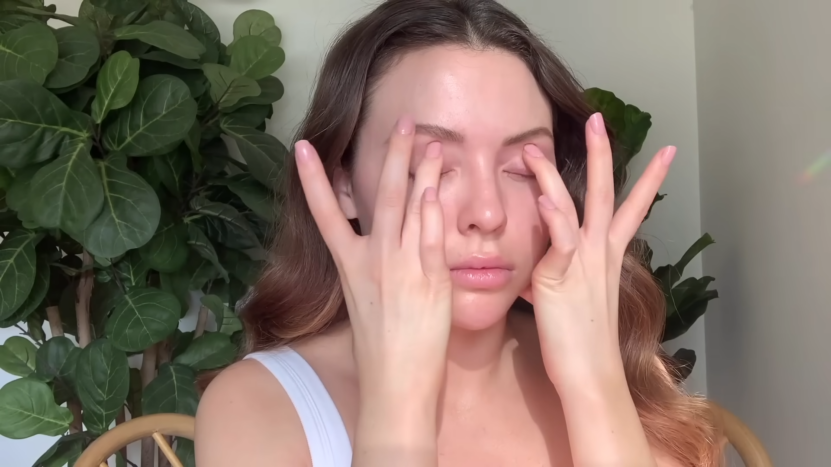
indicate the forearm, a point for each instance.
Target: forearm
{"x":604,"y":428}
{"x":400,"y":432}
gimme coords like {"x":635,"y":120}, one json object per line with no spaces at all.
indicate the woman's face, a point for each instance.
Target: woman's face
{"x":483,"y":107}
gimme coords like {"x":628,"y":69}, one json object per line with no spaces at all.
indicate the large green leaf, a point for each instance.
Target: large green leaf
{"x":34,"y":124}
{"x":30,"y":52}
{"x":235,"y":229}
{"x":251,"y":116}
{"x":14,"y":21}
{"x":172,"y":169}
{"x":142,"y":318}
{"x":198,"y":21}
{"x":67,"y":192}
{"x":171,"y":59}
{"x":98,"y":17}
{"x":264,"y":154}
{"x":186,"y":452}
{"x":102,"y":379}
{"x":168,"y":250}
{"x":132,"y":270}
{"x":202,"y":245}
{"x":78,"y":50}
{"x":161,"y":113}
{"x":56,"y":361}
{"x":17,"y":356}
{"x":255,"y":58}
{"x":28,"y":408}
{"x":36,"y":296}
{"x":17,"y":270}
{"x":271,"y":91}
{"x":680,"y":322}
{"x":227,"y":321}
{"x":241,"y":266}
{"x":64,"y":450}
{"x":209,"y":351}
{"x":130,"y":215}
{"x":228,"y":86}
{"x":671,"y":273}
{"x":164,"y":35}
{"x":172,"y":391}
{"x":117,"y":84}
{"x":252,"y":193}
{"x":257,"y":23}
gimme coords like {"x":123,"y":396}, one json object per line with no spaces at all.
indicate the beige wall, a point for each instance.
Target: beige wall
{"x":764,"y":103}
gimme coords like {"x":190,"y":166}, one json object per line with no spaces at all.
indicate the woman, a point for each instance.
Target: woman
{"x":447,"y":166}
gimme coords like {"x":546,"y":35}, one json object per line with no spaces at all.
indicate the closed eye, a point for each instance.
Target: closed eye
{"x":521,"y":175}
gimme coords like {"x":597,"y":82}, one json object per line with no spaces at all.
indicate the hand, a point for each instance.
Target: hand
{"x":574,"y":287}
{"x":395,"y":280}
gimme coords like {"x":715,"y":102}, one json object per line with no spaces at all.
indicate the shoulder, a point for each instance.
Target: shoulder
{"x":245,"y":417}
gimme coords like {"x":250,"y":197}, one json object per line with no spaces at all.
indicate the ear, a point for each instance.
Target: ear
{"x":342,"y":185}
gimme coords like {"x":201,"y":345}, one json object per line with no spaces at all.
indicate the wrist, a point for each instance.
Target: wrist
{"x":403,"y":424}
{"x":599,"y":370}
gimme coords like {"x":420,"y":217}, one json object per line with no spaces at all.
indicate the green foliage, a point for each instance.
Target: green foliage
{"x":120,"y":200}
{"x":686,"y":300}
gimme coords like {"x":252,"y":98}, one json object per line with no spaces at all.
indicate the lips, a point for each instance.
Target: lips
{"x":481,"y":273}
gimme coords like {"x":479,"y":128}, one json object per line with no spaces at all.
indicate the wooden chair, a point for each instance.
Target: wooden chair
{"x":750,"y":449}
{"x":156,"y":426}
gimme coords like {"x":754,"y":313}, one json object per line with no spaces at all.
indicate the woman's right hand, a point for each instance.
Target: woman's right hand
{"x":395,"y":280}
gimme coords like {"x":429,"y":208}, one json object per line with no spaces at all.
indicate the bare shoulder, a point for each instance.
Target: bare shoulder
{"x":245,"y":417}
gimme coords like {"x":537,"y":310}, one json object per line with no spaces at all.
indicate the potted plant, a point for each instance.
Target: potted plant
{"x":120,"y":198}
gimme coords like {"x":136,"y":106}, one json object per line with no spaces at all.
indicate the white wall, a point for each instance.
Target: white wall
{"x":764,"y":97}
{"x":642,"y":50}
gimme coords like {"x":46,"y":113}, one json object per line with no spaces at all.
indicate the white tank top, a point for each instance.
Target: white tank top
{"x":326,"y":434}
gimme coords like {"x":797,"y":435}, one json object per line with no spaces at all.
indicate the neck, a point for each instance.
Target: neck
{"x":475,"y":359}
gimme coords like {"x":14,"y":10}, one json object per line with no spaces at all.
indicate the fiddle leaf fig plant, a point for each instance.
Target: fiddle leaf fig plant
{"x":136,"y":176}
{"x":687,"y":300}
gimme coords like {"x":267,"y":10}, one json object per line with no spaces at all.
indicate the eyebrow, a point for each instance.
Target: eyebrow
{"x":454,"y":136}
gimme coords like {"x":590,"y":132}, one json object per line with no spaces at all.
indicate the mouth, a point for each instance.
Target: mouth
{"x":481,"y":273}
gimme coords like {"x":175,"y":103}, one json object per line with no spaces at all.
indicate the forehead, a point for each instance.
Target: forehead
{"x":483,"y":94}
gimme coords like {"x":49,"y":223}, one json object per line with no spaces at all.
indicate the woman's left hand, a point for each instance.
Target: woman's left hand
{"x":574,"y":287}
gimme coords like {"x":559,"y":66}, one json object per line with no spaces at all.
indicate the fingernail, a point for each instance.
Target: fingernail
{"x":405,"y":125}
{"x":597,"y":124}
{"x":430,"y":193}
{"x":301,"y":150}
{"x":546,"y":202}
{"x":433,"y":150}
{"x":668,"y":155}
{"x":533,"y":151}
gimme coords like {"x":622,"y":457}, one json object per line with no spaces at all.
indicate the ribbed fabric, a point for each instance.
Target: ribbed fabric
{"x":325,"y":432}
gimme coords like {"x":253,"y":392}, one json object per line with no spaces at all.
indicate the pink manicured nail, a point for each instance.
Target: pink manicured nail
{"x":546,"y":202}
{"x":405,"y":125}
{"x":301,"y":150}
{"x":533,"y":151}
{"x":668,"y":155}
{"x":430,"y":194}
{"x":433,"y":150}
{"x":597,"y":124}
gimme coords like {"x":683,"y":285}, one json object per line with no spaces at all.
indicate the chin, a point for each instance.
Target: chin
{"x":475,"y":310}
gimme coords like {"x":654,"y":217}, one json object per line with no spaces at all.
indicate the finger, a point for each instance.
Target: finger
{"x":333,"y":225}
{"x":391,"y":199}
{"x":550,"y":181}
{"x":427,"y":175}
{"x":433,"y":259}
{"x":556,"y":262}
{"x":631,"y":213}
{"x":600,"y":191}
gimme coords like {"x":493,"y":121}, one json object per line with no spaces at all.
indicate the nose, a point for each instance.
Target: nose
{"x":482,"y":211}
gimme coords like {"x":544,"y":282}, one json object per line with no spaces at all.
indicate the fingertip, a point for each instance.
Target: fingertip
{"x":302,"y":150}
{"x":668,"y":154}
{"x":546,"y":203}
{"x":433,"y":150}
{"x":533,"y":151}
{"x":430,"y":194}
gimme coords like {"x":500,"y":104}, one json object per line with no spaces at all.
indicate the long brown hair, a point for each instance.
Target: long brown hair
{"x":299,"y":293}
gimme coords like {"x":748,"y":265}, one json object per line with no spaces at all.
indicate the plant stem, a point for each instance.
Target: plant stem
{"x":53,"y":314}
{"x":120,"y":418}
{"x":82,"y":300}
{"x":25,"y":332}
{"x":201,"y":322}
{"x":148,"y":372}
